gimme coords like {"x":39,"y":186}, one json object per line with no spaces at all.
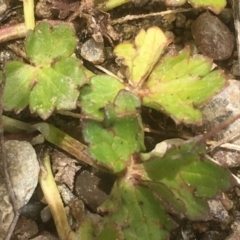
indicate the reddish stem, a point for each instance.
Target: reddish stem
{"x":17,"y":31}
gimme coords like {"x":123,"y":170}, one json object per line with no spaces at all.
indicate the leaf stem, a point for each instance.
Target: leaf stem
{"x":12,"y":32}
{"x":28,"y":9}
{"x":20,"y":30}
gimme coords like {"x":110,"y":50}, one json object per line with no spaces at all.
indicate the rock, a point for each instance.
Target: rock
{"x":23,"y":169}
{"x":235,"y":70}
{"x":92,"y":189}
{"x":45,"y":214}
{"x":223,"y":106}
{"x":211,"y":235}
{"x":4,"y":4}
{"x":43,"y":9}
{"x":212,"y":37}
{"x":25,"y":229}
{"x":32,"y":210}
{"x":93,"y":51}
{"x":45,"y":236}
{"x":235,"y":231}
{"x":180,"y":20}
{"x":77,"y":209}
{"x":218,"y":212}
{"x":64,"y":168}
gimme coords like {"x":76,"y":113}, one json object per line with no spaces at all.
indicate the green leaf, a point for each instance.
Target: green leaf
{"x":179,"y":183}
{"x":179,"y":83}
{"x":102,"y":89}
{"x":86,"y":229}
{"x":215,"y":5}
{"x":111,"y":232}
{"x":125,"y":104}
{"x":53,"y":82}
{"x":18,"y":85}
{"x":57,"y":87}
{"x":137,"y":212}
{"x":47,"y":43}
{"x":120,"y":134}
{"x":141,"y":56}
{"x":184,"y":180}
{"x":112,"y":146}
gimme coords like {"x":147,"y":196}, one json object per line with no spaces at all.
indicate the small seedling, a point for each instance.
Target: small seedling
{"x":149,"y":186}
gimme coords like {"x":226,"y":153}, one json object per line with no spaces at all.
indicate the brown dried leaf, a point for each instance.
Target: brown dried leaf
{"x":64,"y":168}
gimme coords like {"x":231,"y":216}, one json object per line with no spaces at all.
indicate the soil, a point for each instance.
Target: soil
{"x":35,"y":221}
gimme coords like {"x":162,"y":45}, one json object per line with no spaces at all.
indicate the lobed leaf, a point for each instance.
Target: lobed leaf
{"x":141,"y":56}
{"x":184,"y":180}
{"x":137,"y":212}
{"x":113,"y":146}
{"x":53,"y":81}
{"x":57,"y":87}
{"x":47,"y":43}
{"x":179,"y":83}
{"x":102,"y":89}
{"x":181,"y":182}
{"x":113,"y":141}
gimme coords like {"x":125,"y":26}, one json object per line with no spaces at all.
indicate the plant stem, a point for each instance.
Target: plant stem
{"x":54,"y":201}
{"x":109,"y":4}
{"x":11,"y":125}
{"x":28,"y":9}
{"x":20,"y":31}
{"x":12,"y":32}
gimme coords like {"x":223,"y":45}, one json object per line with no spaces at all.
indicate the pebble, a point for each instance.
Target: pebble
{"x":235,"y":231}
{"x":180,"y":20}
{"x":235,"y":70}
{"x":223,"y":106}
{"x":93,"y":51}
{"x":3,"y":6}
{"x":25,"y":229}
{"x":218,"y":211}
{"x":212,"y":37}
{"x":45,"y":236}
{"x":91,"y":189}
{"x":211,"y":235}
{"x":21,"y":160}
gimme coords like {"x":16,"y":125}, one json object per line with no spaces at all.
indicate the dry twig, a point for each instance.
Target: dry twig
{"x":134,"y":17}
